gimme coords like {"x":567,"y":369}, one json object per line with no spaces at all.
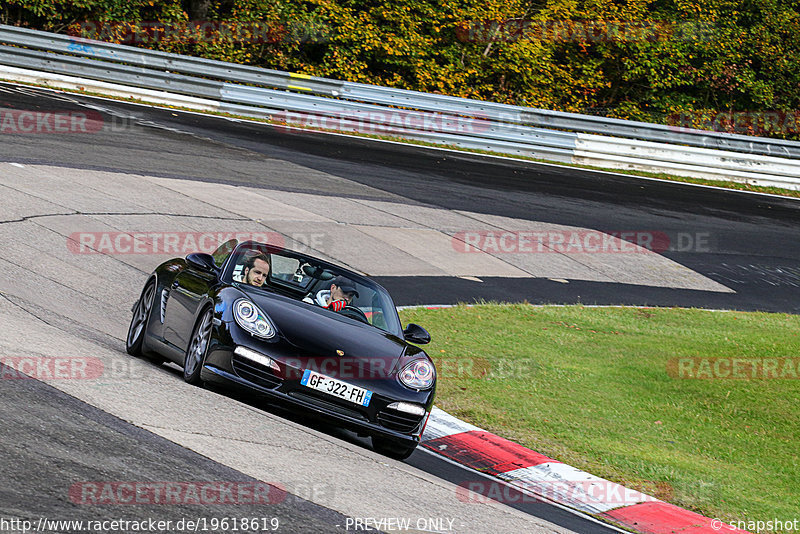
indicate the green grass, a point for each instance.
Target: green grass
{"x":592,"y":387}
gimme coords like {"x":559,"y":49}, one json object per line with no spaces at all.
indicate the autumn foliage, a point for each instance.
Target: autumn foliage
{"x":723,"y":64}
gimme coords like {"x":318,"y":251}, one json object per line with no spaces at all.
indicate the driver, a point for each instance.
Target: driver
{"x":340,"y":294}
{"x":256,"y":270}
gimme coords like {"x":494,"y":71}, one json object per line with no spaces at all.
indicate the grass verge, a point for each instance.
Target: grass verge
{"x":606,"y":390}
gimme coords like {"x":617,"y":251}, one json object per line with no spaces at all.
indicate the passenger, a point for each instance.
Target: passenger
{"x":339,"y":295}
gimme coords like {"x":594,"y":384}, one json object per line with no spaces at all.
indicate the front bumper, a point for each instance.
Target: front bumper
{"x":375,"y":420}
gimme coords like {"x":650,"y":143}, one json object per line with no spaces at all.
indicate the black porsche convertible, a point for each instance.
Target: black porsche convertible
{"x":274,"y":321}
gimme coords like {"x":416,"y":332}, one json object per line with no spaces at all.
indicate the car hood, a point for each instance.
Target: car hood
{"x":319,"y":335}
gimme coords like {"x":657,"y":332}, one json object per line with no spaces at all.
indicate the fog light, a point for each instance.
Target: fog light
{"x":257,"y":357}
{"x":407,"y":407}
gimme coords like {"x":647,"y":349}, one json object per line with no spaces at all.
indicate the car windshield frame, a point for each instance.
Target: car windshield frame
{"x":309,"y":288}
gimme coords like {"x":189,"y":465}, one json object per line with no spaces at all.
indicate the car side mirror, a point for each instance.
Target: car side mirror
{"x":202,"y":262}
{"x":414,"y":333}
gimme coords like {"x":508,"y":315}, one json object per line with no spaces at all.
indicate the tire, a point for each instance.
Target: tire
{"x":198,"y":347}
{"x":141,"y":317}
{"x":392,"y":449}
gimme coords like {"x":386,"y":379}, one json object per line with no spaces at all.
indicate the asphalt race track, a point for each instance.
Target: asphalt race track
{"x":76,"y":442}
{"x":748,"y":243}
{"x":396,"y":212}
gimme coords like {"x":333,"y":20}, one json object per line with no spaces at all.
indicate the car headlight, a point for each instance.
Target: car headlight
{"x":252,"y":319}
{"x":418,"y":374}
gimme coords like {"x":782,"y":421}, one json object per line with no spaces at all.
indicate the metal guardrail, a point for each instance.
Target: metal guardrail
{"x":387,"y":96}
{"x":552,"y":135}
{"x":153,"y":59}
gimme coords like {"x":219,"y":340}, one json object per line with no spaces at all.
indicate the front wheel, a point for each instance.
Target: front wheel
{"x":196,"y":353}
{"x":392,"y":449}
{"x":141,"y":316}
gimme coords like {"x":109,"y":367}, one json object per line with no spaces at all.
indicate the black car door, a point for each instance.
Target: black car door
{"x":187,"y":292}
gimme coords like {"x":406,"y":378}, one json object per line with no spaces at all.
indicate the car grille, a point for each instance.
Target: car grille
{"x":398,"y":421}
{"x":254,"y":372}
{"x":329,"y":405}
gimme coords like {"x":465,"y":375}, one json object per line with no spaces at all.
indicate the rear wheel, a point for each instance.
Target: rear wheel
{"x":392,"y":449}
{"x":196,"y":353}
{"x":141,"y":316}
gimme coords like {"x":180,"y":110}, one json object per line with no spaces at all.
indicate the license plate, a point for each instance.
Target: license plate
{"x":337,"y":388}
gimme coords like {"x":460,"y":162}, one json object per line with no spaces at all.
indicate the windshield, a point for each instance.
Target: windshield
{"x":314,"y":282}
